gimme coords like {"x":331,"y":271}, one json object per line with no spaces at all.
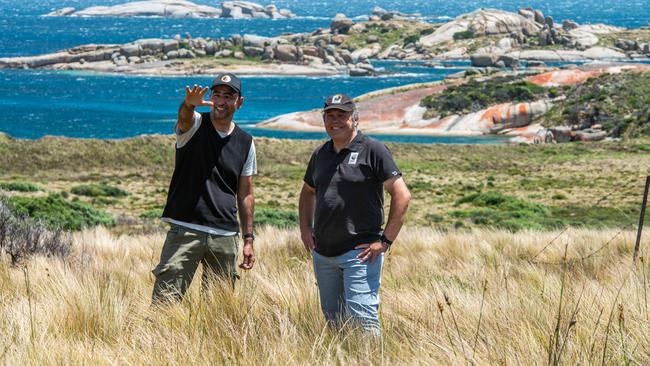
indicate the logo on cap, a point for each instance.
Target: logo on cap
{"x":225,"y":78}
{"x":337,"y":99}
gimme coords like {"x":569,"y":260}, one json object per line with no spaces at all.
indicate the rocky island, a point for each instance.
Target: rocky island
{"x":180,"y":9}
{"x":487,"y":37}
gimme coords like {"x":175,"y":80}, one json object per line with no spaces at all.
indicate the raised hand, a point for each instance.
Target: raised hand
{"x":194,"y":96}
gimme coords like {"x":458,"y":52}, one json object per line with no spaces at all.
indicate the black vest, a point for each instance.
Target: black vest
{"x":206,"y":175}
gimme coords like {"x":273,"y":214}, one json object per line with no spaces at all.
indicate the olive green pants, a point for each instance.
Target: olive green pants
{"x":182,"y":252}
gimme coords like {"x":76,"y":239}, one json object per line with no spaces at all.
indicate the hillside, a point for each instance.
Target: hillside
{"x":508,"y":186}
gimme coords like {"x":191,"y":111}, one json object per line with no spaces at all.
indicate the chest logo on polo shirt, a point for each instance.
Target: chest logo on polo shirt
{"x":353,"y":158}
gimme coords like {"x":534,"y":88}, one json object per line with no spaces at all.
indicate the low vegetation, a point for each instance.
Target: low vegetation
{"x":19,"y":186}
{"x":58,"y":213}
{"x":640,"y":35}
{"x":275,"y":217}
{"x":494,"y":209}
{"x":98,"y":190}
{"x":594,"y":185}
{"x":468,"y":34}
{"x":619,"y":103}
{"x":476,"y":95}
{"x":388,"y":33}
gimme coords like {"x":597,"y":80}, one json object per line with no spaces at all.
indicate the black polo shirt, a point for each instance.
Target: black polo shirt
{"x":349,"y":193}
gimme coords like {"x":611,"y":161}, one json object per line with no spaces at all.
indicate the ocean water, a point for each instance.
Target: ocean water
{"x":37,"y":102}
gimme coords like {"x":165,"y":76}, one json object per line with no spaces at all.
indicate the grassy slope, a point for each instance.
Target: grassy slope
{"x":94,"y":308}
{"x":568,"y":179}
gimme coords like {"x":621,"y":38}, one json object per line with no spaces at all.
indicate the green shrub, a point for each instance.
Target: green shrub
{"x":468,"y":34}
{"x":275,"y":217}
{"x":620,"y":103}
{"x":435,"y":217}
{"x":57,"y":212}
{"x":152,"y":214}
{"x":98,"y":190}
{"x":411,"y":39}
{"x":559,"y":196}
{"x":497,"y":210}
{"x":473,"y":95}
{"x":19,"y":186}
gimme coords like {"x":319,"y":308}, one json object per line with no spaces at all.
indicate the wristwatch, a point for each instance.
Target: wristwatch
{"x":249,"y":236}
{"x":385,"y":240}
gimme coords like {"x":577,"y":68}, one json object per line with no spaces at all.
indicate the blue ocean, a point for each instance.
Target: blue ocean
{"x":36,"y":103}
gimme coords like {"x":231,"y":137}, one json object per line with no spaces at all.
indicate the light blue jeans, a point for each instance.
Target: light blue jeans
{"x":349,"y":288}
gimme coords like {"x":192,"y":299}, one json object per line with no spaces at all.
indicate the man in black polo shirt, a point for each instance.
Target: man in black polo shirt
{"x":341,"y":215}
{"x":215,"y":163}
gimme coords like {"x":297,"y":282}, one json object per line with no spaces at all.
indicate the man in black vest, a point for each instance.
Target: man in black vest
{"x":341,"y":212}
{"x":215,"y":163}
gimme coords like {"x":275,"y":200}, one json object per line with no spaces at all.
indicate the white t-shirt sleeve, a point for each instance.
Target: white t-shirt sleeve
{"x":250,"y":166}
{"x":183,"y":138}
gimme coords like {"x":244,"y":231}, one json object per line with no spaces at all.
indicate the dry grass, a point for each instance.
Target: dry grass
{"x":448,"y":298}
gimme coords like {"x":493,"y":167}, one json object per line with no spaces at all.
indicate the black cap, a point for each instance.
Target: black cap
{"x":339,"y":101}
{"x":227,"y":79}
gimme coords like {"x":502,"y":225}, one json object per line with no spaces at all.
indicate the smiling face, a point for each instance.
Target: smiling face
{"x":339,"y":124}
{"x":225,"y":102}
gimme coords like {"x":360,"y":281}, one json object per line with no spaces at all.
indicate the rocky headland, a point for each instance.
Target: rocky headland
{"x":586,"y":103}
{"x":180,"y":9}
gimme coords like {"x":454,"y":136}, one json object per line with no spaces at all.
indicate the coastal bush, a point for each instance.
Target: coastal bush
{"x":19,"y":186}
{"x":386,"y":36}
{"x":468,"y":34}
{"x":98,"y":190}
{"x":494,"y":209}
{"x":411,"y":39}
{"x":275,"y":217}
{"x":153,"y":214}
{"x":476,"y":95}
{"x":22,"y":237}
{"x":620,"y":103}
{"x":435,"y":217}
{"x":56,"y":212}
{"x":596,"y":216}
{"x":497,"y":210}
